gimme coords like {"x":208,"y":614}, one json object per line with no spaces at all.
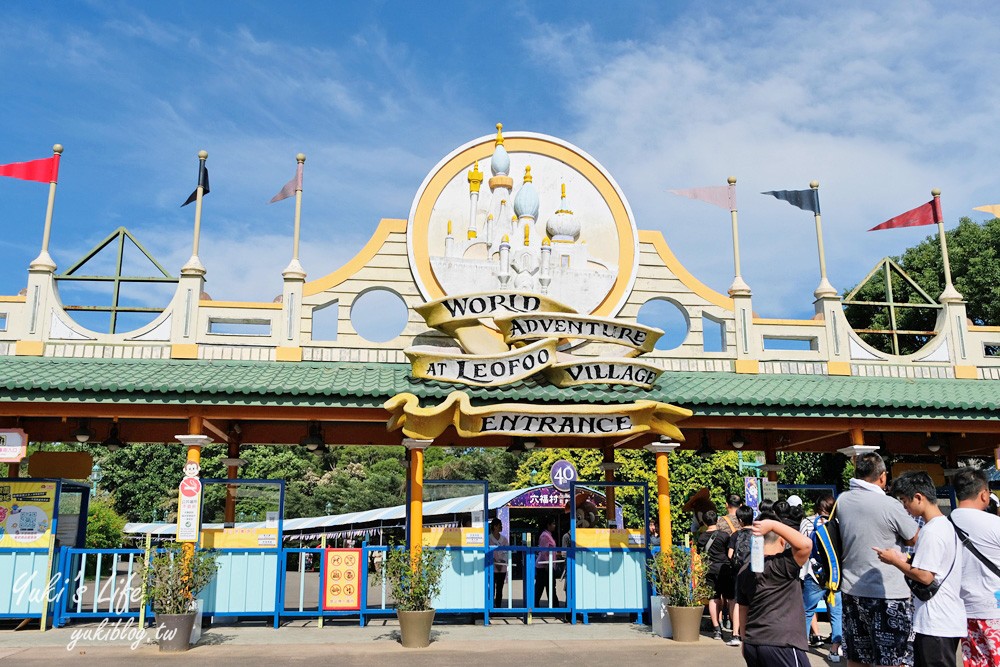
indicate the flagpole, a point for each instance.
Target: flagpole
{"x":949,"y":293}
{"x":825,"y":289}
{"x":194,"y":264}
{"x":44,"y":260}
{"x":739,"y":286}
{"x":294,"y":268}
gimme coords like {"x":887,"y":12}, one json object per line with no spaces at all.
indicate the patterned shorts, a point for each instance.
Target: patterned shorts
{"x":982,"y":647}
{"x":877,"y":631}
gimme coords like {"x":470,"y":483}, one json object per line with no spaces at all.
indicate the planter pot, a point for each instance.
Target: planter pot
{"x":173,"y":631}
{"x":415,"y":628}
{"x":659,"y":617}
{"x":686,"y":622}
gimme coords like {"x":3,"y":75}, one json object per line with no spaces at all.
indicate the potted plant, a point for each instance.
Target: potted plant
{"x":414,"y":581}
{"x":678,"y":576}
{"x":173,"y":578}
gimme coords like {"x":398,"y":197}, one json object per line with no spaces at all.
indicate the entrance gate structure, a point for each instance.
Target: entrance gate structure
{"x":524,"y":323}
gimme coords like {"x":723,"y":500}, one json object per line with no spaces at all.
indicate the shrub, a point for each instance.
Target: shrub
{"x":414,"y":579}
{"x":679,"y":575}
{"x":174,"y":579}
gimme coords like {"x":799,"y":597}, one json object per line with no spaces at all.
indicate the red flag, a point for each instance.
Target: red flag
{"x":45,"y":170}
{"x":925,"y":214}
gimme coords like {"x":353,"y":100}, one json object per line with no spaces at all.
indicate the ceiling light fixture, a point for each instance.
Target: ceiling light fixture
{"x":314,"y":439}
{"x":705,"y":450}
{"x":738,"y":441}
{"x":83,"y":432}
{"x":113,"y":442}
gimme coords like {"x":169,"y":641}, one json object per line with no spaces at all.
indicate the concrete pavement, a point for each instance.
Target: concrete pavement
{"x":545,"y":642}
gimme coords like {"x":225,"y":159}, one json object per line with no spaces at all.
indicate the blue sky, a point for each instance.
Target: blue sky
{"x":878,"y":101}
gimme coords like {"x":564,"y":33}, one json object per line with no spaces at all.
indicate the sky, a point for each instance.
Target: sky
{"x":879,"y":102}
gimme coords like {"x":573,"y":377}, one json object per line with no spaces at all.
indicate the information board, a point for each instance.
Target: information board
{"x":342,"y":581}
{"x":26,"y":510}
{"x":453,"y":537}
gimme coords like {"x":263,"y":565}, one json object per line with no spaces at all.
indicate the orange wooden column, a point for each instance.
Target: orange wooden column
{"x":661,"y":450}
{"x":415,"y":480}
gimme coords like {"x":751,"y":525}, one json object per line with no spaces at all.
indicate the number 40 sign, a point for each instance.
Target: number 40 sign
{"x":563,"y":473}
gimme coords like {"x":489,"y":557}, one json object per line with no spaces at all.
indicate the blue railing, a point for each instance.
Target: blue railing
{"x":572,"y":582}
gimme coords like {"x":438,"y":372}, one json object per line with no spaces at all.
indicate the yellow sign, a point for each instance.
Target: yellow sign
{"x":239,"y":538}
{"x":526,"y":419}
{"x":610,"y":538}
{"x":26,"y":510}
{"x":342,"y":584}
{"x":453,"y":537}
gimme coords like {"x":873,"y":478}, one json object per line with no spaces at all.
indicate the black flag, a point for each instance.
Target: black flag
{"x":807,"y":200}
{"x":202,"y":182}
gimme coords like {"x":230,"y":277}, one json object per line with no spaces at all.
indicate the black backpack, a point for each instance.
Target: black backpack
{"x":741,"y":549}
{"x":826,"y":554}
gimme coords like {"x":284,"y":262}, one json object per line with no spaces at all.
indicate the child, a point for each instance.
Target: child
{"x":773,"y":623}
{"x":938,"y":622}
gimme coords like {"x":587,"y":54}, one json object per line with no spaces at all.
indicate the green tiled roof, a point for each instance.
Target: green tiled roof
{"x":370,"y":384}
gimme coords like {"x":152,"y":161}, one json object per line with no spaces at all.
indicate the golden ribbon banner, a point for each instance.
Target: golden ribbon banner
{"x":430,"y":363}
{"x":459,"y":316}
{"x":522,"y":327}
{"x":524,"y":419}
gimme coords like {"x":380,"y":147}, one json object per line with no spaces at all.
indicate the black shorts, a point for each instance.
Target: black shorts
{"x":774,"y":656}
{"x":878,"y":631}
{"x":931,"y":651}
{"x":725,"y":582}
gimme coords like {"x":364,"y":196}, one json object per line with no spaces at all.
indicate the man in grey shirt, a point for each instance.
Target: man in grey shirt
{"x":877,"y":606}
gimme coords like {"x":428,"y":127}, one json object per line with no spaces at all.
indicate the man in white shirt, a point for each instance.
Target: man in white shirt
{"x":980,"y":585}
{"x":877,"y":607}
{"x":938,"y":620}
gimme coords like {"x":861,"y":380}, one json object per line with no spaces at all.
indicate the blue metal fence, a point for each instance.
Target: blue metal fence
{"x":90,"y":584}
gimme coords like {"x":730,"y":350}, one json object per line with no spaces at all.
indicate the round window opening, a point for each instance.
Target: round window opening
{"x":379,"y":315}
{"x":668,"y":316}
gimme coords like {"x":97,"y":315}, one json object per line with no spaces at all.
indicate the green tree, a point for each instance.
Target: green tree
{"x":105,"y":526}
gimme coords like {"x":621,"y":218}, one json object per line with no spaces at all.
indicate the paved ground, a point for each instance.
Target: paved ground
{"x":545,"y":642}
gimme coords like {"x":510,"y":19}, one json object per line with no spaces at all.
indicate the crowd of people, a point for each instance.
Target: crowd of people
{"x":914,"y":584}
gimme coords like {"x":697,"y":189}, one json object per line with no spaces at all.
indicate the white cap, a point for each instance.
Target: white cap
{"x":794,"y":501}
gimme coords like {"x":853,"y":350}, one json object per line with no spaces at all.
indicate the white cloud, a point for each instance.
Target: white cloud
{"x":878,"y":103}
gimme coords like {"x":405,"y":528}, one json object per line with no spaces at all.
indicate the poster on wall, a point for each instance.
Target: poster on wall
{"x":26,"y":510}
{"x":752,"y":488}
{"x":342,"y":581}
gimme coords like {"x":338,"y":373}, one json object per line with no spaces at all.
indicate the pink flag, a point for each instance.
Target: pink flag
{"x":290,"y":187}
{"x":723,"y":196}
